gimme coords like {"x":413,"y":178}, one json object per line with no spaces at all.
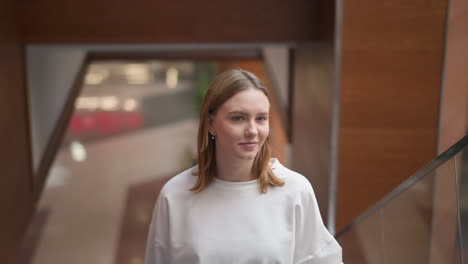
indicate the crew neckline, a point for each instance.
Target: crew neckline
{"x":245,"y":184}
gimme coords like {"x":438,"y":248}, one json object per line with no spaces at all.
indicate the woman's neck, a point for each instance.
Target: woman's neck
{"x":234,"y":170}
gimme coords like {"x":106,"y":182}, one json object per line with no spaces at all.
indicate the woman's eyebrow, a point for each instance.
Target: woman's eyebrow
{"x":243,"y":113}
{"x":237,"y":112}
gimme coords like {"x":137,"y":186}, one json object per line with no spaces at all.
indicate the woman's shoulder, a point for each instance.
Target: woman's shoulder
{"x":292,"y":179}
{"x":180,"y":183}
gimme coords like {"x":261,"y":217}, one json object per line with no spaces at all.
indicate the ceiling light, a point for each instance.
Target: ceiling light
{"x":96,"y":75}
{"x":172,"y":77}
{"x":78,"y":151}
{"x":87,"y":103}
{"x":109,"y":103}
{"x":130,"y":105}
{"x":137,"y":73}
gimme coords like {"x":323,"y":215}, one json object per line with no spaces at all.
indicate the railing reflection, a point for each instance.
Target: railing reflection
{"x":419,"y":222}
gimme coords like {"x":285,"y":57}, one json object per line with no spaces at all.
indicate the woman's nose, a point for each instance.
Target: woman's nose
{"x":251,"y":130}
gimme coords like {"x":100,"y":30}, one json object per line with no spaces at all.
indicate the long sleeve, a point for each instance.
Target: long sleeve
{"x":313,"y":243}
{"x":158,"y":235}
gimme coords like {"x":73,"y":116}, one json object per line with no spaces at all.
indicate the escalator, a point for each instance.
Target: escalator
{"x":424,"y":220}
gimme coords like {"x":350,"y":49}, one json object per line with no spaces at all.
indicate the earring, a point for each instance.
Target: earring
{"x":212,"y":137}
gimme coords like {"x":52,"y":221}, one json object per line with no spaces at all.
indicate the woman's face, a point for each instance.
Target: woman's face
{"x":241,"y":125}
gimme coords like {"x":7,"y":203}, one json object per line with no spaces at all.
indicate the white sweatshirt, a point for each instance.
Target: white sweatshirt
{"x":232,"y":222}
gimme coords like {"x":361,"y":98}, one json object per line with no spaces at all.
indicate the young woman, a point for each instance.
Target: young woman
{"x":238,"y":205}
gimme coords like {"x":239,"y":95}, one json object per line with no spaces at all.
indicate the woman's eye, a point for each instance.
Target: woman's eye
{"x":237,"y":118}
{"x":262,"y":118}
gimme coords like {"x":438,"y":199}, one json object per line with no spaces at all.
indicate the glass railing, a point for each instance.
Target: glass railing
{"x":424,"y":220}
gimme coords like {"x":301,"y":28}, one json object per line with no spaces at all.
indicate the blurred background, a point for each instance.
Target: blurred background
{"x":100,"y":101}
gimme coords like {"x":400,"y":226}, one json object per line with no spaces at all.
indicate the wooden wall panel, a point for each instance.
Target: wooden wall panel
{"x":392,"y":54}
{"x":15,"y":181}
{"x":149,"y":21}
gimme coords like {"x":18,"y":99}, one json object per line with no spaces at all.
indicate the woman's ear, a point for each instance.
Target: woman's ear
{"x":211,"y":125}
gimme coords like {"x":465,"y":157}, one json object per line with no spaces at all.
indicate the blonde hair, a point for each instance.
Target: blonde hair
{"x":223,"y":87}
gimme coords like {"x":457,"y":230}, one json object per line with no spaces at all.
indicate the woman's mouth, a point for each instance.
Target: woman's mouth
{"x":248,"y":144}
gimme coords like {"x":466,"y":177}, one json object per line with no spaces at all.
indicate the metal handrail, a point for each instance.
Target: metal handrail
{"x":421,"y":173}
